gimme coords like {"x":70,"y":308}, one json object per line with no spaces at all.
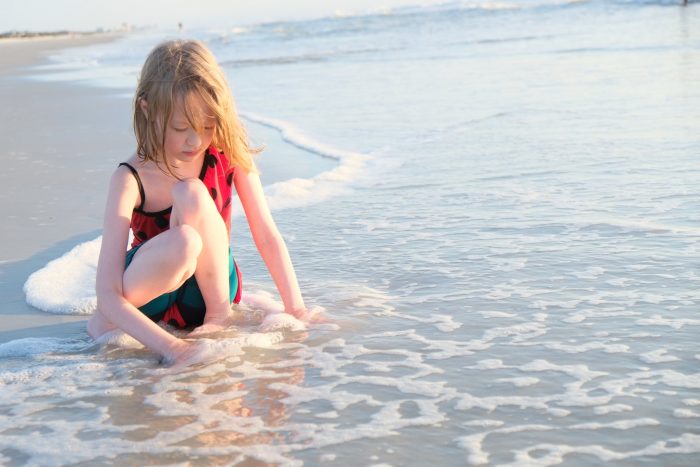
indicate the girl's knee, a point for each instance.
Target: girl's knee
{"x":192,"y":203}
{"x":187,"y":243}
{"x":190,"y":193}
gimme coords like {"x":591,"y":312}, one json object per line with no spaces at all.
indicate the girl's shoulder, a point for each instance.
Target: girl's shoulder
{"x":139,"y":164}
{"x":133,"y":174}
{"x":143,"y":170}
{"x":124,"y":169}
{"x":128,"y":165}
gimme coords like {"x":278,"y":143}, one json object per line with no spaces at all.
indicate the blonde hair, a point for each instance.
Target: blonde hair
{"x":187,"y":70}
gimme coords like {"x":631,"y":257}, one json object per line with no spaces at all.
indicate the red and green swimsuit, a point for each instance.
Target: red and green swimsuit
{"x":185,"y":306}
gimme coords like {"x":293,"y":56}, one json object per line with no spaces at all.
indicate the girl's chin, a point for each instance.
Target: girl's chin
{"x":184,"y":156}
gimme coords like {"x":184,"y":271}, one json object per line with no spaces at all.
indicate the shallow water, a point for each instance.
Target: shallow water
{"x":504,"y":237}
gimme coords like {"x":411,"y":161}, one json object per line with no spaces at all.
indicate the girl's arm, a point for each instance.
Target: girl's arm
{"x":268,"y":240}
{"x":122,"y":197}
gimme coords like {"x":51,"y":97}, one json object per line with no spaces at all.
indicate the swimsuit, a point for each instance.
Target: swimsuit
{"x":185,"y":306}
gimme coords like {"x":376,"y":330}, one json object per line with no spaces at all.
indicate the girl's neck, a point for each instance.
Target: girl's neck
{"x":186,"y":169}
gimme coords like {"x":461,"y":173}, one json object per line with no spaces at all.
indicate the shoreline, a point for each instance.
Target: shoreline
{"x":61,"y":142}
{"x":18,"y":53}
{"x":16,"y":36}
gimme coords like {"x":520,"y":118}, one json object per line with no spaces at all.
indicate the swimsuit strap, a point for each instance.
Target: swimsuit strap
{"x":138,"y":181}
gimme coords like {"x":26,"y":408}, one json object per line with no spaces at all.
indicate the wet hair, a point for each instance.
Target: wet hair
{"x":186,"y":71}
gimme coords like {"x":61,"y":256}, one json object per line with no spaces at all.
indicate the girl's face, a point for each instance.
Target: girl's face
{"x":183,"y":143}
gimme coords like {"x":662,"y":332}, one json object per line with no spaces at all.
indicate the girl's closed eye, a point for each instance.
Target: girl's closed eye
{"x":180,"y":130}
{"x":180,"y":127}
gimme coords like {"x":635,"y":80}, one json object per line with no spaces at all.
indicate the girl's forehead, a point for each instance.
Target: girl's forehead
{"x":190,"y":106}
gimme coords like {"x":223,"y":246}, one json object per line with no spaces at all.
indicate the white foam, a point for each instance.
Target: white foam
{"x":277,"y":321}
{"x":588,"y":346}
{"x":30,"y":346}
{"x":118,"y":338}
{"x":496,"y":314}
{"x":580,"y":372}
{"x":675,"y":323}
{"x":540,"y":317}
{"x":545,"y":304}
{"x":518,"y":332}
{"x":262,"y":300}
{"x":619,"y":281}
{"x":508,"y":264}
{"x":444,"y":323}
{"x":473,"y":445}
{"x":658,"y":356}
{"x":618,"y":424}
{"x":36,"y":375}
{"x":489,"y":364}
{"x":520,"y":382}
{"x":221,"y":348}
{"x":613,"y":408}
{"x":484,"y":423}
{"x":558,"y":412}
{"x":555,"y":454}
{"x":673,"y":378}
{"x":300,"y":192}
{"x":685,"y":413}
{"x":597,"y":313}
{"x":66,"y":285}
{"x":590,"y":273}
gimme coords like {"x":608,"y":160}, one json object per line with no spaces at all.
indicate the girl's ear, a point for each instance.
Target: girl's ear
{"x":144,"y":106}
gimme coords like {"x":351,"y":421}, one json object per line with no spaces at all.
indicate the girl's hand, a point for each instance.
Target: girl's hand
{"x":180,"y":351}
{"x":193,"y":353}
{"x":207,"y":328}
{"x":309,"y":315}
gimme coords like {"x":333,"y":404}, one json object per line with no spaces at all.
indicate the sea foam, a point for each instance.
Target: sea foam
{"x":66,"y":285}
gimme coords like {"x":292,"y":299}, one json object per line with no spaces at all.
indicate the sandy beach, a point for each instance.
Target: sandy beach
{"x":61,"y":142}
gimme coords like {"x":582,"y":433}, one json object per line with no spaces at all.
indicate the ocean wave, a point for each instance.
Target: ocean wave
{"x":380,"y":20}
{"x":31,"y":346}
{"x":321,"y":56}
{"x":299,"y":192}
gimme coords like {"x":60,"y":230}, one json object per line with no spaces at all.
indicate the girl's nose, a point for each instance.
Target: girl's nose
{"x":193,"y":139}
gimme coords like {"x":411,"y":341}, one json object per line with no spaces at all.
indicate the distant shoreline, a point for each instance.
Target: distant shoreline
{"x":11,"y":36}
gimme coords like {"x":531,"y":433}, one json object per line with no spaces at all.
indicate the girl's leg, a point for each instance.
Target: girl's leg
{"x":160,"y":266}
{"x":193,"y":206}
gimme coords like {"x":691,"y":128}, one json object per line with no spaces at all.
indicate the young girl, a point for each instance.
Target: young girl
{"x":175,"y":194}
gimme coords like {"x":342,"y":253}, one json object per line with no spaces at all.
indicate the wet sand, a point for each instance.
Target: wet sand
{"x":60,"y":143}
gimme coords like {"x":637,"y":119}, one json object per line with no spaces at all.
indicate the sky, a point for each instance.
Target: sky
{"x":86,"y":15}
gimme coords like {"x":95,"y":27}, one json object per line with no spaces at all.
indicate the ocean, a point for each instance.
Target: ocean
{"x":495,"y":203}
